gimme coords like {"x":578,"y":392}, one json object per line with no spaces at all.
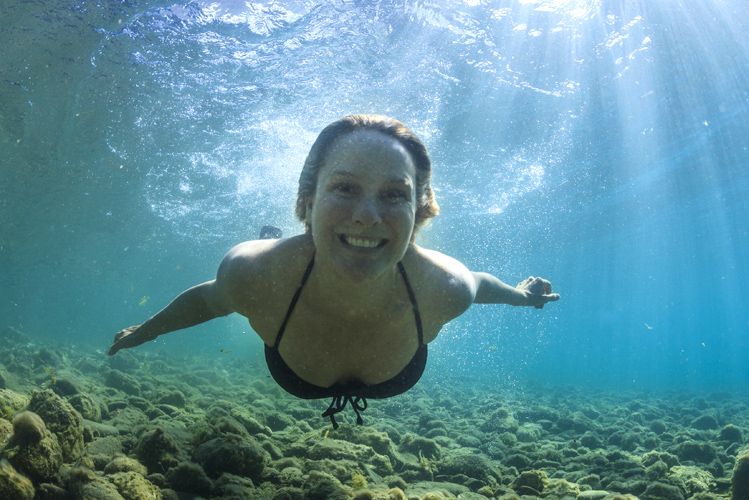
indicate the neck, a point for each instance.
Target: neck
{"x":340,"y":295}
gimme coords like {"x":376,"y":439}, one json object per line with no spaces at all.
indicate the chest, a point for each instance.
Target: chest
{"x":323,"y":350}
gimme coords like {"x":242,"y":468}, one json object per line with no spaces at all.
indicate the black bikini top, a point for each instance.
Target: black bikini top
{"x":353,"y":391}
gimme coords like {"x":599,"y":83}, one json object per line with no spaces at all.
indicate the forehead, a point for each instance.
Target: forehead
{"x":370,"y":152}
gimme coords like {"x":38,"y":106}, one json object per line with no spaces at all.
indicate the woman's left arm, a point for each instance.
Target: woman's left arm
{"x":530,"y":292}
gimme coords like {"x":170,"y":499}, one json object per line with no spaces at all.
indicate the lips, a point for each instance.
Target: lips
{"x":360,"y":242}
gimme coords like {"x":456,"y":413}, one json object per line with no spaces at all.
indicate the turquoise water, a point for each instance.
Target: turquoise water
{"x":600,"y":144}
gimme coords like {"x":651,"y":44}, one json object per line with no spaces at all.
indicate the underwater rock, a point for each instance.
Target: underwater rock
{"x":740,"y":477}
{"x":697,"y":451}
{"x":690,"y":479}
{"x":538,"y":413}
{"x":732,"y":434}
{"x":474,"y":466}
{"x":231,"y":486}
{"x":336,"y":449}
{"x":32,"y":449}
{"x":49,"y":491}
{"x":662,"y":491}
{"x":189,"y":477}
{"x":6,"y":429}
{"x":500,"y":421}
{"x":593,"y":495}
{"x":421,"y":447}
{"x":277,"y":421}
{"x":84,"y":484}
{"x":367,"y":436}
{"x":157,"y":450}
{"x":66,"y":385}
{"x":705,"y":423}
{"x":288,"y":493}
{"x":11,"y":402}
{"x":174,"y":398}
{"x":62,"y":420}
{"x":123,"y":382}
{"x":561,"y":489}
{"x":125,"y":464}
{"x":88,"y":407}
{"x":242,"y":456}
{"x":321,"y":486}
{"x":529,"y":433}
{"x":530,"y":481}
{"x":13,"y":485}
{"x":658,"y":426}
{"x":107,"y":446}
{"x":133,"y":486}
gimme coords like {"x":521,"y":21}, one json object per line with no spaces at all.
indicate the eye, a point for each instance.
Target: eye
{"x":395,"y":195}
{"x":343,"y":188}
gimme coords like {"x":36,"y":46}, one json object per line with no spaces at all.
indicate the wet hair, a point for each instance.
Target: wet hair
{"x":426,"y":205}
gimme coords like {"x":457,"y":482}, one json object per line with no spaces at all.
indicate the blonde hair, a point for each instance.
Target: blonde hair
{"x":426,"y":205}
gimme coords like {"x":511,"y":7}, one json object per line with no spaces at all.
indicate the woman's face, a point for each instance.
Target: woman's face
{"x":364,"y":207}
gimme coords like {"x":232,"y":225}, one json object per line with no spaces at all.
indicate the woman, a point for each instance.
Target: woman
{"x":347,"y":309}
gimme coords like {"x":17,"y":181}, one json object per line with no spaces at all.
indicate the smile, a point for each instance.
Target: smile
{"x":362,"y":242}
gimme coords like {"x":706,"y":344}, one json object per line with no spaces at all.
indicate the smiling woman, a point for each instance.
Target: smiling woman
{"x":354,"y":300}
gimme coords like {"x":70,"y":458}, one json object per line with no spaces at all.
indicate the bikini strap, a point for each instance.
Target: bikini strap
{"x":414,"y":305}
{"x":294,"y":301}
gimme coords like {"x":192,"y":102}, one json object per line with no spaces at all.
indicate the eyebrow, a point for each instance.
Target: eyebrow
{"x":392,"y":180}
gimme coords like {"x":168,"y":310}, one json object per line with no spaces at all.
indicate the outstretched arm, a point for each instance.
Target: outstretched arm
{"x":530,"y":292}
{"x":195,"y":305}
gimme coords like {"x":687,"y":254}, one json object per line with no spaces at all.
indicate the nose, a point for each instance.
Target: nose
{"x":367,"y":212}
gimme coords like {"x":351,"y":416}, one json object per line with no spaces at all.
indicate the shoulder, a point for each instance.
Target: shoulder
{"x":263,"y":265}
{"x":445,"y":285}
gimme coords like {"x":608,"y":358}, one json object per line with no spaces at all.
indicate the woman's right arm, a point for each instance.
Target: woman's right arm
{"x":195,"y":305}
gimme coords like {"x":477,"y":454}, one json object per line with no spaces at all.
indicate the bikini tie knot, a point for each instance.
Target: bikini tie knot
{"x":339,"y":403}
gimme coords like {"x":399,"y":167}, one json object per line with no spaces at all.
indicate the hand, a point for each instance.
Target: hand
{"x":129,"y":337}
{"x":537,"y":292}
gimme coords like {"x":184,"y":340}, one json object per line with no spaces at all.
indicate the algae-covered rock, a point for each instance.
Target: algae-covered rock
{"x":530,"y":482}
{"x":125,"y":464}
{"x":662,"y":491}
{"x":378,"y":441}
{"x":14,"y":485}
{"x":335,"y":449}
{"x":421,"y":447}
{"x":32,"y":449}
{"x":561,"y":489}
{"x":705,"y":423}
{"x":158,"y":451}
{"x":6,"y":429}
{"x":11,"y":403}
{"x":500,"y":421}
{"x":740,"y":477}
{"x":84,"y":484}
{"x":242,"y":456}
{"x":62,"y":420}
{"x":697,"y":451}
{"x":88,"y":407}
{"x":123,"y":382}
{"x":474,"y":466}
{"x":189,"y":477}
{"x":107,"y":446}
{"x":693,"y":480}
{"x":529,"y":433}
{"x":133,"y":486}
{"x":732,"y":434}
{"x":173,"y":398}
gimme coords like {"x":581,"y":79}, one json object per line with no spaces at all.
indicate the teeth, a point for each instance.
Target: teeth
{"x":358,"y":242}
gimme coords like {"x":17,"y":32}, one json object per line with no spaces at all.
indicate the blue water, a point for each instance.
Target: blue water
{"x":599,"y":144}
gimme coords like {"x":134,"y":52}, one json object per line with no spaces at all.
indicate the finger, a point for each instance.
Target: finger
{"x":552,"y":297}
